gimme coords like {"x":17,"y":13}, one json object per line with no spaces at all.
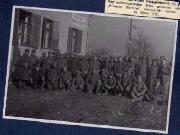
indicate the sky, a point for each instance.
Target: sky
{"x":112,"y":33}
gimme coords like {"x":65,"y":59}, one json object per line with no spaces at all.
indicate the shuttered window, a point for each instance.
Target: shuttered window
{"x":24,"y":28}
{"x":46,"y":33}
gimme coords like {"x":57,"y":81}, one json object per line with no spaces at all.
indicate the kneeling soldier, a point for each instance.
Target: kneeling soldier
{"x":65,"y":80}
{"x":138,"y":90}
{"x":119,"y":87}
{"x":126,"y":83}
{"x":111,"y":84}
{"x":77,"y":82}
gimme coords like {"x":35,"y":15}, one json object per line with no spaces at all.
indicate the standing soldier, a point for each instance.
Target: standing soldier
{"x":33,"y":58}
{"x":16,"y":56}
{"x":119,"y":67}
{"x":152,"y":75}
{"x":94,"y":64}
{"x":164,"y":74}
{"x":77,"y":82}
{"x":111,"y":65}
{"x":92,"y":81}
{"x":24,"y":70}
{"x":138,"y":90}
{"x":52,"y":77}
{"x":142,"y":69}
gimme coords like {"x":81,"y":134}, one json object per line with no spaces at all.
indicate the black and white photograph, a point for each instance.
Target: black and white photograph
{"x":90,"y":69}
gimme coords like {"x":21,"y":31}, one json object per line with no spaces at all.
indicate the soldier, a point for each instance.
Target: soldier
{"x":111,"y":65}
{"x":119,"y":87}
{"x":33,"y":58}
{"x":101,"y":86}
{"x":77,"y":82}
{"x":92,"y":81}
{"x":61,"y":62}
{"x":152,"y":75}
{"x":138,"y":90}
{"x":111,"y":84}
{"x":142,"y":69}
{"x":52,"y":77}
{"x":94,"y":64}
{"x":126,"y":83}
{"x":119,"y":67}
{"x":157,"y":92}
{"x":16,"y":57}
{"x":36,"y":76}
{"x":164,"y":75}
{"x":23,"y":72}
{"x":65,"y":80}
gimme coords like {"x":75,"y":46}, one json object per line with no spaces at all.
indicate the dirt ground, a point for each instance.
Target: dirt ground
{"x":84,"y":108}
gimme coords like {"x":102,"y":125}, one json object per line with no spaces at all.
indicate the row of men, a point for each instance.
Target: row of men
{"x":91,"y":74}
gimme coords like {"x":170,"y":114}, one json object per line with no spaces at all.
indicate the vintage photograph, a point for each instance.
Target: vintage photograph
{"x":92,"y":69}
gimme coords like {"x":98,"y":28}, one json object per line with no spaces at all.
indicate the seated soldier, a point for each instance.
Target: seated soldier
{"x":138,"y":90}
{"x":92,"y":81}
{"x":119,"y":88}
{"x":110,"y":84}
{"x":65,"y":79}
{"x":77,"y":82}
{"x":101,"y":86}
{"x":126,"y":83}
{"x":52,"y":77}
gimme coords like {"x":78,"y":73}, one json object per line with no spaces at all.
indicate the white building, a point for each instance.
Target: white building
{"x":49,"y":30}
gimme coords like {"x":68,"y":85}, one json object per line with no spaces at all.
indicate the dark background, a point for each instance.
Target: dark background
{"x":17,"y":127}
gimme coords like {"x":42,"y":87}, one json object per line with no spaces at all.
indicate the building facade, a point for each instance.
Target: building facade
{"x":48,"y":30}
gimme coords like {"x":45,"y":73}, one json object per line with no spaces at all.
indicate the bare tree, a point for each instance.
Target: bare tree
{"x":140,"y":46}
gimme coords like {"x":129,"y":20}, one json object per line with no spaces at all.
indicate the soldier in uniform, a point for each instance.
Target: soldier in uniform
{"x":101,"y":86}
{"x":77,"y":82}
{"x":126,"y":83}
{"x":164,"y":75}
{"x":52,"y":77}
{"x":152,"y":75}
{"x":142,"y":69}
{"x":110,"y":84}
{"x":119,"y":67}
{"x":119,"y":87}
{"x":91,"y":81}
{"x":65,"y":80}
{"x":157,"y":92}
{"x":111,"y":65}
{"x":138,"y":90}
{"x":36,"y":76}
{"x":33,"y":58}
{"x":94,"y":64}
{"x":23,"y":70}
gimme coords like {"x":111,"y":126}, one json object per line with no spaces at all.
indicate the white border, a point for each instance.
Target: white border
{"x":82,"y":124}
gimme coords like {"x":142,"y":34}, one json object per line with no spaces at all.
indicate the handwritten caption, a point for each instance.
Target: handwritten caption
{"x":151,"y":8}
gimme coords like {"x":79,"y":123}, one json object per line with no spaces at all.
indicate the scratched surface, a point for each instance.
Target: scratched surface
{"x":14,"y":127}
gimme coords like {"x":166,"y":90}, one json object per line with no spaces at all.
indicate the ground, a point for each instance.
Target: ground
{"x":84,"y":108}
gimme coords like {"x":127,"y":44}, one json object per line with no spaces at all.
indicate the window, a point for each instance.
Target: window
{"x":24,"y":29}
{"x":74,"y":40}
{"x":46,"y":33}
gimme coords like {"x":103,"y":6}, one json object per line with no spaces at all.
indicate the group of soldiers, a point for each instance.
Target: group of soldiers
{"x":138,"y":79}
